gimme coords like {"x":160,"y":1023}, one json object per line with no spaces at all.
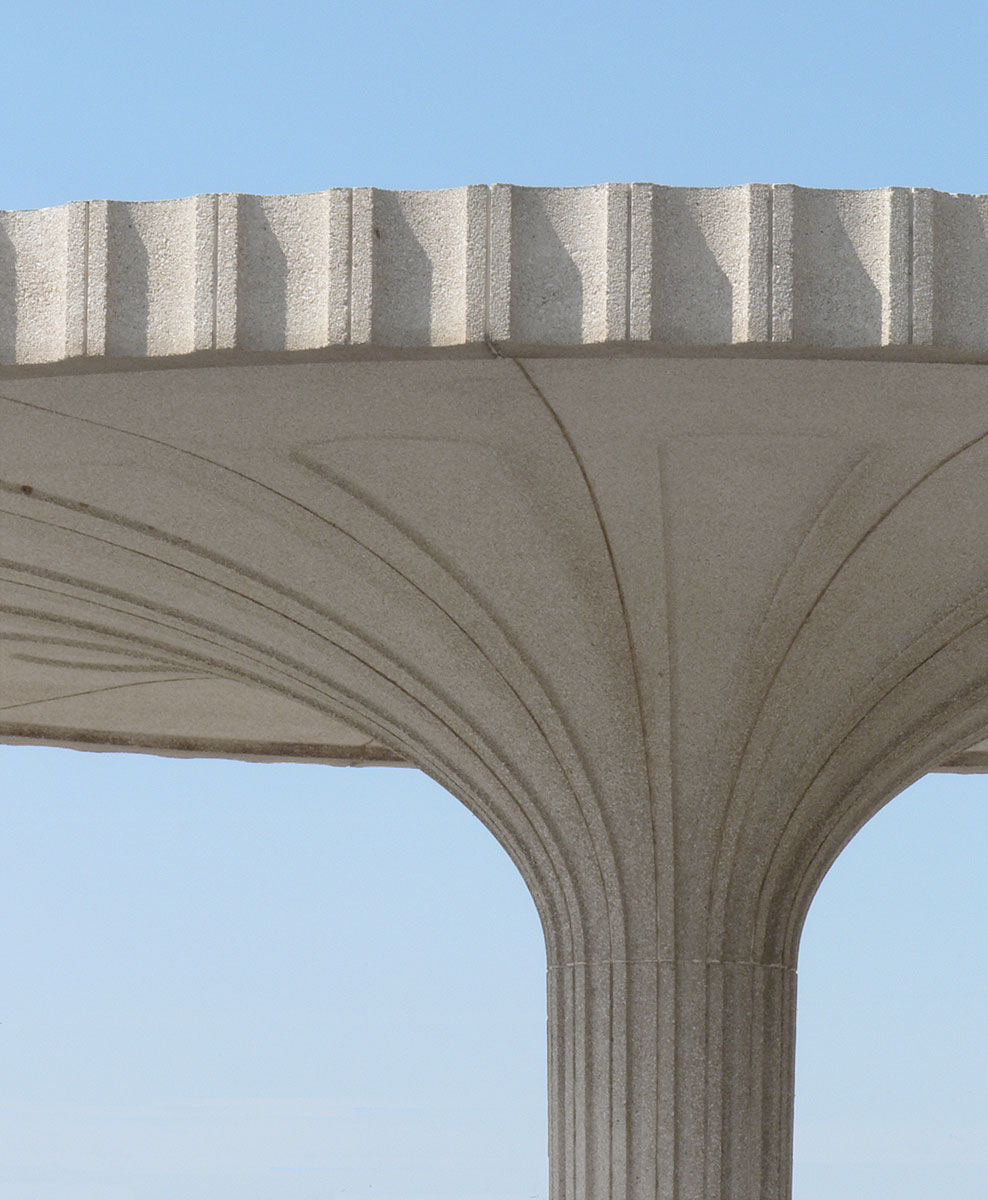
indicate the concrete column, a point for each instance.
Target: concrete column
{"x":672,"y":629}
{"x":671,"y":1081}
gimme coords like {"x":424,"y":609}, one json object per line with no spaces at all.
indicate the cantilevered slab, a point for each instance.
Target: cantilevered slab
{"x":349,"y":273}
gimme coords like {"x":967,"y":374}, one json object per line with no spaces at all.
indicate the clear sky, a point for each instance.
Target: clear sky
{"x":232,"y":982}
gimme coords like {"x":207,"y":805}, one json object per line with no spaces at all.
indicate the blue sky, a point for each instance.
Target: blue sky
{"x":229,"y":981}
{"x":226,"y":980}
{"x":161,"y":99}
{"x":175,"y":1022}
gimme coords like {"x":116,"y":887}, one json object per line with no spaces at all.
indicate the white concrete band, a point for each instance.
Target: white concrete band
{"x":895,"y":269}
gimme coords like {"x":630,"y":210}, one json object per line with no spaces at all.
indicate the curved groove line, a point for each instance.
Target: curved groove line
{"x":218,"y":560}
{"x":265,"y":487}
{"x":548,"y":900}
{"x":242,"y":571}
{"x":507,"y":836}
{"x":237,"y":568}
{"x":845,"y":561}
{"x":230,"y":645}
{"x":718,"y":880}
{"x":422,"y":547}
{"x":247,"y":573}
{"x":77,"y":665}
{"x":581,"y":467}
{"x":352,"y":708}
{"x":396,"y":525}
{"x":592,"y":496}
{"x":890,"y":691}
{"x":665,"y":532}
{"x":343,"y":699}
{"x":946,"y":621}
{"x":256,"y":576}
{"x":855,"y":818}
{"x":356,"y":716}
{"x":332,"y":693}
{"x":81,"y":644}
{"x":306,"y":603}
{"x":112,"y":687}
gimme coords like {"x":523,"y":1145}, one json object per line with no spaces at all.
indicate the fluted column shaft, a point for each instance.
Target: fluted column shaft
{"x":671,"y":1080}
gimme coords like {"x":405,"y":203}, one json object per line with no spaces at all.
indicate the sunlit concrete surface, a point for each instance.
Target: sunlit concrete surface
{"x":650,"y":522}
{"x":897,"y":270}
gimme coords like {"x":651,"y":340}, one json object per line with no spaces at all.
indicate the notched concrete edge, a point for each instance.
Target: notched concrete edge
{"x":887,"y":271}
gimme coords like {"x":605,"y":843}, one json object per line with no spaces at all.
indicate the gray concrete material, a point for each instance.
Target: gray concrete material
{"x":895,"y":271}
{"x":674,"y":626}
{"x":83,"y":687}
{"x":972,"y":761}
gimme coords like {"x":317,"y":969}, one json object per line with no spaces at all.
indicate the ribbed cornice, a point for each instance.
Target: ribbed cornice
{"x":892,"y":272}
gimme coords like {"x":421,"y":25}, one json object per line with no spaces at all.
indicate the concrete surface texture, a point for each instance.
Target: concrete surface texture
{"x":606,"y":265}
{"x":650,"y":522}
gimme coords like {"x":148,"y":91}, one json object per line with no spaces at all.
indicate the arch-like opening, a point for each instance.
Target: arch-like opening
{"x":892,"y":1054}
{"x":230,"y":979}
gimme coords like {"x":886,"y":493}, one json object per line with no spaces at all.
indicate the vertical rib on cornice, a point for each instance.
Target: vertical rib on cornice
{"x":789,"y":268}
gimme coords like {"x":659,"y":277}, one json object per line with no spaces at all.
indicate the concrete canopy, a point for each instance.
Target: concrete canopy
{"x":649,"y":521}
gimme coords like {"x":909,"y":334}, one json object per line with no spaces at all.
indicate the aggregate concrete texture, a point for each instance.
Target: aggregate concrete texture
{"x":649,"y":521}
{"x":894,"y":269}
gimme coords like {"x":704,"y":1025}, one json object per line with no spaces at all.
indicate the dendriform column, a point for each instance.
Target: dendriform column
{"x":693,"y":623}
{"x":673,"y":626}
